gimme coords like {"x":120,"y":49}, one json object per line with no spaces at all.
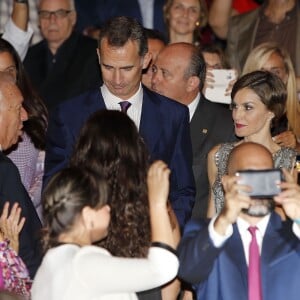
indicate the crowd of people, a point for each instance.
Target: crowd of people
{"x":122,"y":159}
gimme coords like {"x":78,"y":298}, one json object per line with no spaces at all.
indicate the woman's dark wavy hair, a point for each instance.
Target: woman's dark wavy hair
{"x":109,"y":143}
{"x":36,"y":124}
{"x":66,"y":194}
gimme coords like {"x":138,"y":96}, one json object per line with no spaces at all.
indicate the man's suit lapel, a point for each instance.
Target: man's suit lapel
{"x":279,"y":242}
{"x":150,"y":124}
{"x":200,"y":124}
{"x":94,"y":102}
{"x":235,"y":252}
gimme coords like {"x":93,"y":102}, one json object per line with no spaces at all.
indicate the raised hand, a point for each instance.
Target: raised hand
{"x":158,"y":183}
{"x":289,"y":198}
{"x":235,"y":200}
{"x":286,"y":139}
{"x":11,"y":224}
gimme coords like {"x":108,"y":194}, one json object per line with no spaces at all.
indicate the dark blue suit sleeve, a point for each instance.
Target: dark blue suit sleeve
{"x":59,"y":145}
{"x":12,"y":190}
{"x":182,"y":183}
{"x":196,"y":252}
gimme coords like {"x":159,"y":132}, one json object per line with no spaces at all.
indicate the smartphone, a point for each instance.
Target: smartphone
{"x":223,"y":76}
{"x":263,"y":183}
{"x":217,"y":92}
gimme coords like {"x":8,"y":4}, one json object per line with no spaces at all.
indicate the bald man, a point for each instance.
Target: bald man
{"x":179,"y":73}
{"x":215,"y":257}
{"x":12,"y":116}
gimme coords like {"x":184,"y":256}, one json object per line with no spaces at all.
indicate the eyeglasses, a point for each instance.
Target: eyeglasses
{"x":59,"y":14}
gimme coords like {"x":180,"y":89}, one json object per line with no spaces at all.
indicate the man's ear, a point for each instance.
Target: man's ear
{"x":193,"y":84}
{"x":147,"y":59}
{"x":271,"y":115}
{"x":87,"y":214}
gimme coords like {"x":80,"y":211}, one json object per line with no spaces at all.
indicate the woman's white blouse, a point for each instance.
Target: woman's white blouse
{"x":70,"y":272}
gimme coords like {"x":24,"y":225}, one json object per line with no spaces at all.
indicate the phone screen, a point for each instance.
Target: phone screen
{"x":263,"y":183}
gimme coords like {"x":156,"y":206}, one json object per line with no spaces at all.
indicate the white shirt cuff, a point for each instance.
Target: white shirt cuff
{"x":18,"y":38}
{"x":296,"y":230}
{"x":217,"y":239}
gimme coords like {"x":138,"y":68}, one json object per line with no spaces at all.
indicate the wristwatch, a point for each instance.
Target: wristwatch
{"x":22,"y":1}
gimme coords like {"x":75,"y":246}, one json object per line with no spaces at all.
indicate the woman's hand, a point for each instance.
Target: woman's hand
{"x":11,"y":224}
{"x":158,"y":183}
{"x":286,"y":139}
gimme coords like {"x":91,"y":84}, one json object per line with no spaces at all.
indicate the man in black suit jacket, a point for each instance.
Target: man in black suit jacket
{"x":12,"y":116}
{"x":64,"y":64}
{"x":179,"y":73}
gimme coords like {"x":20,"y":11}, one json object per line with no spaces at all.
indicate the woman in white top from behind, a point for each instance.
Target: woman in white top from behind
{"x":77,"y":215}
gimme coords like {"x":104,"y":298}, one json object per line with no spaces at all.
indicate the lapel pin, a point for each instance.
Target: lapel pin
{"x":204,"y":130}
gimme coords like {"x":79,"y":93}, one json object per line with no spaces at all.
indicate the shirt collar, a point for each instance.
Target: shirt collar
{"x":193,"y":105}
{"x":243,"y":225}
{"x":115,"y":100}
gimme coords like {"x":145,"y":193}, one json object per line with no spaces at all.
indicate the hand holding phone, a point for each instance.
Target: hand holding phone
{"x":218,"y":84}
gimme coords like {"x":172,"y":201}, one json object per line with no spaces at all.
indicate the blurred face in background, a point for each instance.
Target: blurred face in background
{"x":7,"y":64}
{"x":212,"y":60}
{"x":57,"y":19}
{"x":154,"y":47}
{"x":275,"y":65}
{"x":183,"y":16}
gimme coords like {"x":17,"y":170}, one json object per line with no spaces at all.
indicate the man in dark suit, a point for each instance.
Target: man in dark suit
{"x":12,"y":116}
{"x":179,"y":73}
{"x":225,"y":259}
{"x":122,"y":56}
{"x":64,"y":64}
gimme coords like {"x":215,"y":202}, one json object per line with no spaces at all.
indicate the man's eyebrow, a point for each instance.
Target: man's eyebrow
{"x":102,"y":63}
{"x":127,"y":67}
{"x":124,"y":67}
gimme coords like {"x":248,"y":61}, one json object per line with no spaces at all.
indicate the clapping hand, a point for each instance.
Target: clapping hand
{"x":11,"y":224}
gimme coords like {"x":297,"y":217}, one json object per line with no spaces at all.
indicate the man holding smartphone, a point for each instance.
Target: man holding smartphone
{"x":246,"y":251}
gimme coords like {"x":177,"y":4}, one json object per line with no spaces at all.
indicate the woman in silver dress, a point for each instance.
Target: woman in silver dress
{"x":258,"y":101}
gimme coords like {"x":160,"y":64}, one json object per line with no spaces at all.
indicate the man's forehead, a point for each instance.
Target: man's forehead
{"x":172,"y":59}
{"x":54,"y":3}
{"x":129,"y":45}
